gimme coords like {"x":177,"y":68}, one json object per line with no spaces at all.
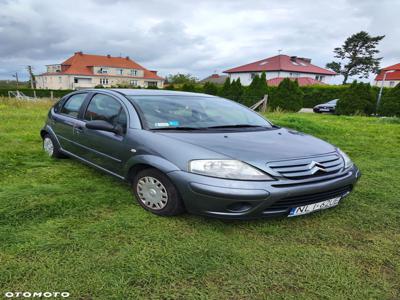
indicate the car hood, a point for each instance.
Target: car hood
{"x":256,"y":147}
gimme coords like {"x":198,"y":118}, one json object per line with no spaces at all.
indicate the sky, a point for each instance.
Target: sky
{"x":198,"y":37}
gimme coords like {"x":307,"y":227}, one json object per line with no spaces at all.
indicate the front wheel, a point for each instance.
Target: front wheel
{"x":155,"y":192}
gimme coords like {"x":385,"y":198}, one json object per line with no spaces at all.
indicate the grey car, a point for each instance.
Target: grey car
{"x":328,"y":107}
{"x":198,"y":153}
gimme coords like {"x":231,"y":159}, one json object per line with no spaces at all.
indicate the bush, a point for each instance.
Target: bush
{"x":358,"y":98}
{"x":390,"y":105}
{"x":210,"y":88}
{"x":288,"y":96}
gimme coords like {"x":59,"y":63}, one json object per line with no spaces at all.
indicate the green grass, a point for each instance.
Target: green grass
{"x":67,"y":227}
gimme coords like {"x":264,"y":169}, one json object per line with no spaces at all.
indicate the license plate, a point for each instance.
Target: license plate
{"x":306,"y":209}
{"x":324,"y":109}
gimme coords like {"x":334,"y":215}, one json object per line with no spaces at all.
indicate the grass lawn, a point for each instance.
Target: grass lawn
{"x":67,"y":227}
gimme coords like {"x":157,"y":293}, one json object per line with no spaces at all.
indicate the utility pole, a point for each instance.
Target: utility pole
{"x":16,"y":78}
{"x":32,"y":78}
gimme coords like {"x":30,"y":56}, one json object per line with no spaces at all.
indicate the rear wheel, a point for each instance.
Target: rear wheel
{"x":155,"y":192}
{"x":51,"y":147}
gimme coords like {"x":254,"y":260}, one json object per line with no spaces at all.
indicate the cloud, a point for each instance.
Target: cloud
{"x":197,"y":37}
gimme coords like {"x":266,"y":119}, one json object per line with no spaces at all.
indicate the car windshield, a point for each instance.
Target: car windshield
{"x":333,"y":101}
{"x":195,"y":112}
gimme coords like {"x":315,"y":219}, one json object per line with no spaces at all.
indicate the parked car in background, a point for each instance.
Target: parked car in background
{"x":328,"y":107}
{"x":200,"y":153}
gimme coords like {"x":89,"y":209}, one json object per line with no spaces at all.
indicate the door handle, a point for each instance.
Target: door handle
{"x":78,"y":129}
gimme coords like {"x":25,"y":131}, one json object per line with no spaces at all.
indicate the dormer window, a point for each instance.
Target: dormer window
{"x":103,"y":71}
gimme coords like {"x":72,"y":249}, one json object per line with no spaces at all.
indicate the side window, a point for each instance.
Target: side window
{"x":106,"y":108}
{"x":73,"y":104}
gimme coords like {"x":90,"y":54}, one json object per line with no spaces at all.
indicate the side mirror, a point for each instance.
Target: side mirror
{"x":101,"y":125}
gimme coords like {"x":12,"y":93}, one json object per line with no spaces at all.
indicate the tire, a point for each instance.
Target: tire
{"x":51,"y":148}
{"x":155,"y":192}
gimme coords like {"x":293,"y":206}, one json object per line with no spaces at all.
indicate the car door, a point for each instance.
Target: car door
{"x":105,"y":149}
{"x":66,"y":118}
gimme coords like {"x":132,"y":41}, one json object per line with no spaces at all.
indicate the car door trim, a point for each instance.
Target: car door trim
{"x":95,"y":151}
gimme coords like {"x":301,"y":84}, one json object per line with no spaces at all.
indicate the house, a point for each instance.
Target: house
{"x":87,"y":71}
{"x":281,"y":66}
{"x":215,"y":78}
{"x":392,"y":77}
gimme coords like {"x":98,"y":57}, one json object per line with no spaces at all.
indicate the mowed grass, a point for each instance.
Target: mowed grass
{"x":67,"y":227}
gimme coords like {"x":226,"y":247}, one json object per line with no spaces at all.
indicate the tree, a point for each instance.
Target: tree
{"x":181,"y":78}
{"x":236,"y":90}
{"x":210,"y":88}
{"x":357,"y":56}
{"x":390,"y":105}
{"x":358,"y":98}
{"x":257,"y":89}
{"x":288,"y":96}
{"x":226,"y":89}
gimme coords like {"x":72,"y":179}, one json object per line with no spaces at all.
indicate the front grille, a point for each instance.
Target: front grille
{"x":295,"y":201}
{"x":309,"y":167}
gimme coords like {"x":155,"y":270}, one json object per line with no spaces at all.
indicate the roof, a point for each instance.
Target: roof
{"x":303,"y":81}
{"x":150,"y":92}
{"x":389,"y":76}
{"x":81,"y":64}
{"x":282,"y":63}
{"x":215,"y":78}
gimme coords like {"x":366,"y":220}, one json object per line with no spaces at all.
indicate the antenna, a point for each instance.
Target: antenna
{"x":279,"y":51}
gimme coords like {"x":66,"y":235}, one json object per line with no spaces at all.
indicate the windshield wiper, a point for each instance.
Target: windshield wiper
{"x":177,"y":128}
{"x":237,"y":126}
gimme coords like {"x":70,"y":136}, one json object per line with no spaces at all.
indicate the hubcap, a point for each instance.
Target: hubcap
{"x":48,"y":146}
{"x":152,"y":193}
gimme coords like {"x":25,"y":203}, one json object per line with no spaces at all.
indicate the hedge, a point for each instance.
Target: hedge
{"x":39,"y":93}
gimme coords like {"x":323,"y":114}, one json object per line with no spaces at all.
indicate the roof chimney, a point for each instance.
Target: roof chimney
{"x":78,"y":53}
{"x":127,"y":58}
{"x":307,"y":60}
{"x":108,"y":55}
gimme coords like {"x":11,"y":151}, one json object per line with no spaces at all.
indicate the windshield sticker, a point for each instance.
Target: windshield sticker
{"x":173,"y":123}
{"x":161,"y":124}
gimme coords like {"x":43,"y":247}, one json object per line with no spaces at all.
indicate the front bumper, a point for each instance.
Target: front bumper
{"x":235,"y":199}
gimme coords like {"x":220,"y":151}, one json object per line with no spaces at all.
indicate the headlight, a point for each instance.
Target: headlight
{"x":347,"y":161}
{"x":231,"y":169}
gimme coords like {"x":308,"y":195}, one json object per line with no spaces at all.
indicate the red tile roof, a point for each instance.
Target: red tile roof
{"x":82,"y":64}
{"x":282,"y":63}
{"x":389,"y":76}
{"x":303,"y":81}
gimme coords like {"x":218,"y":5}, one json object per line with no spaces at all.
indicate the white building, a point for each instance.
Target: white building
{"x":87,"y":71}
{"x":282,"y":66}
{"x":392,"y":77}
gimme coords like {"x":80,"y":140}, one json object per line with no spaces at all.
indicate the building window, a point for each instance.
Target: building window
{"x":104,"y":81}
{"x":152,"y":83}
{"x":252,"y":75}
{"x":134,"y":82}
{"x":391,"y":83}
{"x":59,"y":79}
{"x":319,"y":77}
{"x":294,"y":74}
{"x":121,"y":71}
{"x":134,"y":72}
